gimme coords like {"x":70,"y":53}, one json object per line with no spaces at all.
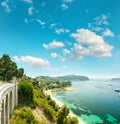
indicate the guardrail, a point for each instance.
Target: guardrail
{"x":8,"y":101}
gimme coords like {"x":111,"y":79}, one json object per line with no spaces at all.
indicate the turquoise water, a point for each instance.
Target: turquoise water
{"x":95,"y":101}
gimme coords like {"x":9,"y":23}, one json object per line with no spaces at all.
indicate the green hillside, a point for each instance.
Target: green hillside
{"x":73,"y":77}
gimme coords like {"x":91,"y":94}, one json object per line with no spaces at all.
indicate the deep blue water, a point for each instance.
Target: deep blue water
{"x":95,"y":101}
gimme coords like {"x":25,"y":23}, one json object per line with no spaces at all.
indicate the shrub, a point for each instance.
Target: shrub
{"x":23,"y":116}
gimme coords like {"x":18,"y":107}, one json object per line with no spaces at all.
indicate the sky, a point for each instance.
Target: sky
{"x":61,"y":37}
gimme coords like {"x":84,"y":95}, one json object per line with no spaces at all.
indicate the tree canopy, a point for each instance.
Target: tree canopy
{"x":9,"y":69}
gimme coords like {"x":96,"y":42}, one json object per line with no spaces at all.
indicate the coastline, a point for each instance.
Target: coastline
{"x":60,"y":104}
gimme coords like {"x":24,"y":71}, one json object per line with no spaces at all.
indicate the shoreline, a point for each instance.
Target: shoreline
{"x":60,"y":104}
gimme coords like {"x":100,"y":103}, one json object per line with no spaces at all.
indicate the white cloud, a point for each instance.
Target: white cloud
{"x":101,"y":20}
{"x":52,"y":25}
{"x":66,"y":51}
{"x":64,"y":7}
{"x":28,"y":1}
{"x":54,"y":55}
{"x":42,"y":23}
{"x":16,"y":58}
{"x":99,"y":24}
{"x":53,"y":45}
{"x":89,"y":44}
{"x":61,"y":30}
{"x":6,"y":6}
{"x":43,"y":4}
{"x":108,"y":32}
{"x":33,"y":61}
{"x":30,"y":10}
{"x":26,"y":20}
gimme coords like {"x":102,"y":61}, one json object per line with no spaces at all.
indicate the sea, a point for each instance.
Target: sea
{"x":94,"y":101}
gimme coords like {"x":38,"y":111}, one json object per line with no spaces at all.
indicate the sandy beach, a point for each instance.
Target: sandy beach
{"x":59,"y":103}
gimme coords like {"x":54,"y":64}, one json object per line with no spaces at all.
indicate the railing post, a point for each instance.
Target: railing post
{"x":16,"y":92}
{"x":4,"y":109}
{"x":8,"y":108}
{"x":13,"y":99}
{"x":0,"y":112}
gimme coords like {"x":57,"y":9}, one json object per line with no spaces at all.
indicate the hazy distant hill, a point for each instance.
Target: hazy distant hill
{"x":66,"y":77}
{"x":115,"y":79}
{"x":73,"y":77}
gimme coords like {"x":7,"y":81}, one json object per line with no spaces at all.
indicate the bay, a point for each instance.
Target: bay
{"x":95,"y":101}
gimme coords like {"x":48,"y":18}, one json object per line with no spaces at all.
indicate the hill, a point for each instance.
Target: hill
{"x":63,"y":78}
{"x":73,"y":78}
{"x":115,"y":79}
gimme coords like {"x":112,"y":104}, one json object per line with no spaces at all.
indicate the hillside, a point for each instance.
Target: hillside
{"x":73,"y":77}
{"x":63,"y":78}
{"x":115,"y":79}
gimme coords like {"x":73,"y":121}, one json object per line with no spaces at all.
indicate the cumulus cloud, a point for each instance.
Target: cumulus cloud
{"x":28,"y":1}
{"x":33,"y":61}
{"x":66,"y":51}
{"x":5,"y":5}
{"x":61,"y":30}
{"x":53,"y":45}
{"x":54,"y":55}
{"x":108,"y":32}
{"x":64,"y":7}
{"x":42,"y":23}
{"x":89,"y":44}
{"x":30,"y":10}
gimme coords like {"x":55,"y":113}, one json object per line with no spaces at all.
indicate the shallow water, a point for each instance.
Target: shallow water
{"x":95,"y":101}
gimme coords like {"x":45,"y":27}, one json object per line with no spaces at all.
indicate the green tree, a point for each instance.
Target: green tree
{"x":25,"y":92}
{"x":20,"y":72}
{"x":72,"y":120}
{"x":8,"y":69}
{"x":62,"y":115}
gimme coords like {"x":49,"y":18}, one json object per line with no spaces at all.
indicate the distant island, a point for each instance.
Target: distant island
{"x":73,"y":78}
{"x":63,"y":78}
{"x":115,"y":79}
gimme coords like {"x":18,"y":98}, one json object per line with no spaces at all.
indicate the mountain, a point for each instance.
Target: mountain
{"x":115,"y":79}
{"x":63,"y":78}
{"x":73,"y":78}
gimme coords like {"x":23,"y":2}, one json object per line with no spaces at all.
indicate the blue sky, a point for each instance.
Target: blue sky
{"x":60,"y":37}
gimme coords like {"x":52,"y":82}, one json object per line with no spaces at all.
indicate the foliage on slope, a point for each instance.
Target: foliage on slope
{"x":23,"y":115}
{"x":33,"y":94}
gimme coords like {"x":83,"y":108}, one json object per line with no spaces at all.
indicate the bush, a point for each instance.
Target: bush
{"x":23,"y":116}
{"x":72,"y":120}
{"x":62,"y":115}
{"x":25,"y":92}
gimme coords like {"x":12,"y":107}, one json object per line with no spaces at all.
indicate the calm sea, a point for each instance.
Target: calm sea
{"x":95,"y":101}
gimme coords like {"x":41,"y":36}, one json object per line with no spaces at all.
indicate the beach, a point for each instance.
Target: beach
{"x":60,"y":104}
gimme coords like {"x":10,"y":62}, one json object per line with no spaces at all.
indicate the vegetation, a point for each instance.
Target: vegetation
{"x":25,"y":91}
{"x":31,"y":96}
{"x":23,"y":116}
{"x":51,"y":83}
{"x":8,"y":69}
{"x":73,"y":77}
